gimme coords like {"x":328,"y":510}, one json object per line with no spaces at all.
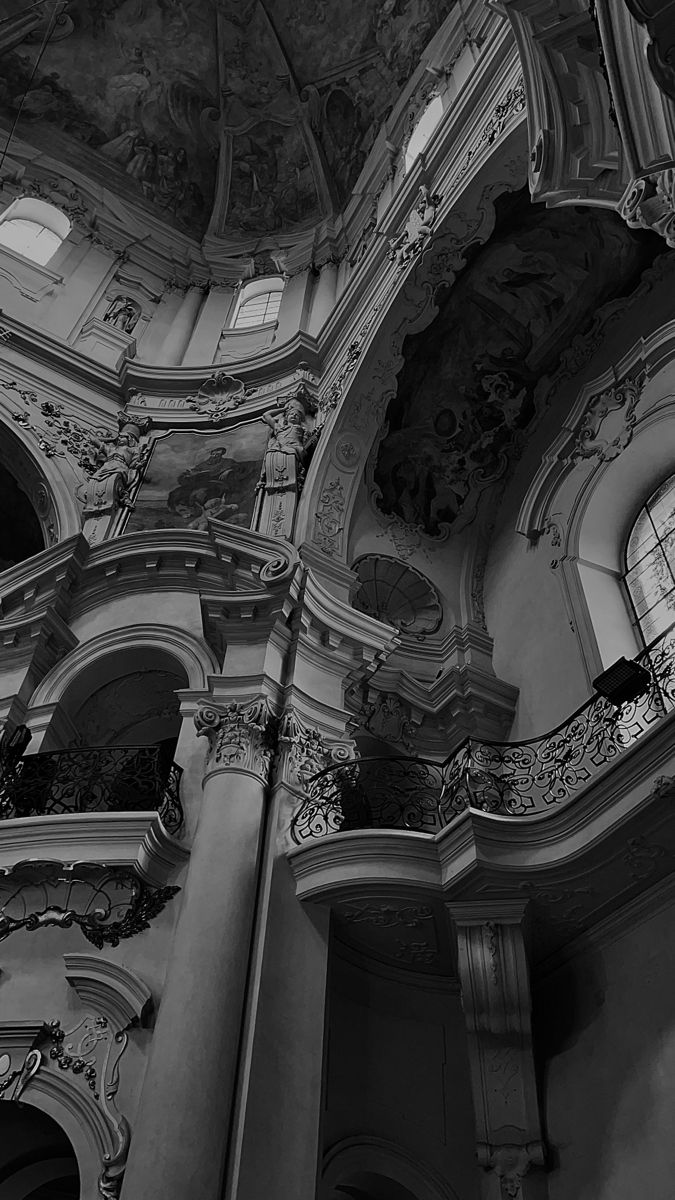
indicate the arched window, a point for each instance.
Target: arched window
{"x":34,"y":229}
{"x":259,"y":303}
{"x":423,"y":131}
{"x":650,"y":562}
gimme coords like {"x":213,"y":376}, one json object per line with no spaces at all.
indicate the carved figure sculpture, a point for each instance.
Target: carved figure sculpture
{"x":123,"y":313}
{"x":113,"y":480}
{"x":417,"y":230}
{"x":288,"y":451}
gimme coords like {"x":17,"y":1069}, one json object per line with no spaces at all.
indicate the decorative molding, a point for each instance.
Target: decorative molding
{"x":58,"y":435}
{"x":575,"y":147}
{"x":108,"y":904}
{"x":91,"y":1052}
{"x":386,"y":916}
{"x":410,"y":243}
{"x":496,"y":1002}
{"x":329,"y":517}
{"x":387,"y":717}
{"x":218,"y":396}
{"x":397,"y":594}
{"x":305,"y":751}
{"x":109,"y":988}
{"x":241,"y":736}
{"x":624,"y":396}
{"x":649,"y":203}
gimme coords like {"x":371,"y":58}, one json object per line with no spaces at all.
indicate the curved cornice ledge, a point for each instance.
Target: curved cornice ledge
{"x":477,"y":851}
{"x":137,"y":840}
{"x":109,"y":988}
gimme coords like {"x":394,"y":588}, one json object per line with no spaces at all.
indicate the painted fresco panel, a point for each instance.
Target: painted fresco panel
{"x":194,"y":477}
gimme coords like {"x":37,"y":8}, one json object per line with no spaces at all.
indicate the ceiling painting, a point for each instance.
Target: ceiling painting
{"x":128,"y":95}
{"x":246,"y":117}
{"x":466,"y":391}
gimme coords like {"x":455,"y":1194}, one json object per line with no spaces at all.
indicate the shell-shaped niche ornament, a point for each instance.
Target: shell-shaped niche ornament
{"x":396,"y":594}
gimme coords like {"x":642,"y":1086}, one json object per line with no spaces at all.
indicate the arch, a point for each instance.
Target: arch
{"x":362,"y":388}
{"x":36,"y":1153}
{"x":33,"y":228}
{"x":167,"y":644}
{"x":40,"y":479}
{"x":358,"y":1162}
{"x":82,"y":1121}
{"x":649,"y":562}
{"x":258,"y":303}
{"x":614,"y":451}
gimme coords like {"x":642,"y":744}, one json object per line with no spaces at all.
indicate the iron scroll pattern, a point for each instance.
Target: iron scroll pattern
{"x":512,"y":779}
{"x":100,"y":779}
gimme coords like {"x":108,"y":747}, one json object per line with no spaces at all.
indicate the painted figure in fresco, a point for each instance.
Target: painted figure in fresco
{"x":214,"y":488}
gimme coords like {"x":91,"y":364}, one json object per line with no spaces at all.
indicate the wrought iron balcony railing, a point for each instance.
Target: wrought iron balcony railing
{"x":102,"y":779}
{"x":509,"y":778}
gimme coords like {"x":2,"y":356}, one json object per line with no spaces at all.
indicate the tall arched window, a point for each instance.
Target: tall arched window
{"x":259,"y":303}
{"x":423,"y":131}
{"x":650,"y":562}
{"x":33,"y":228}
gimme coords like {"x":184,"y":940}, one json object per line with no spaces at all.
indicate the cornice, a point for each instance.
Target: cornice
{"x":137,"y":840}
{"x":615,"y":840}
{"x":109,"y":988}
{"x":252,"y":571}
{"x":266,"y":367}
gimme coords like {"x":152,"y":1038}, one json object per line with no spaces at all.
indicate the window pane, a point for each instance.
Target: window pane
{"x":650,"y":581}
{"x":30,"y":239}
{"x":641,"y":539}
{"x":658,"y":619}
{"x":259,"y":310}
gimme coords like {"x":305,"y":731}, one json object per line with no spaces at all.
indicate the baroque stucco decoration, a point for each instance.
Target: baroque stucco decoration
{"x":74,"y":1070}
{"x":526,"y":293}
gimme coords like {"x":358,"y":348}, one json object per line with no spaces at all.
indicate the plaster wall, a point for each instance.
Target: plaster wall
{"x":397,"y":1070}
{"x":607,"y":1043}
{"x":177,"y":609}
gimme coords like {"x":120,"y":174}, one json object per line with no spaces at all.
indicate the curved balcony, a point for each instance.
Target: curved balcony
{"x":509,"y":779}
{"x":118,"y":779}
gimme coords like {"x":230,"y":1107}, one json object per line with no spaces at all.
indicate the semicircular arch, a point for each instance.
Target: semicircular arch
{"x":163,"y":643}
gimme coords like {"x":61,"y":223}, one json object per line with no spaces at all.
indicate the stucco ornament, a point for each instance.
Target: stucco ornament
{"x":241,"y":736}
{"x":305,"y":751}
{"x":650,"y":204}
{"x":414,"y":237}
{"x":217,"y":396}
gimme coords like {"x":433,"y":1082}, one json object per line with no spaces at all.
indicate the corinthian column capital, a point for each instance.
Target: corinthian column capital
{"x":241,"y":735}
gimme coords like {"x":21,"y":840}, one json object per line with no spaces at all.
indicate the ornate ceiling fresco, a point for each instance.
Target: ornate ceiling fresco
{"x":248,"y":117}
{"x":466,"y":392}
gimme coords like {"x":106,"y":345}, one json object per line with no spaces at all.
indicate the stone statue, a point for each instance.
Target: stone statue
{"x":110,"y":486}
{"x":289,"y":448}
{"x":123,"y":313}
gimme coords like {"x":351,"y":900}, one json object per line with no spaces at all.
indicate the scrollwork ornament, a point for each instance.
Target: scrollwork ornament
{"x":305,"y":751}
{"x":241,"y":736}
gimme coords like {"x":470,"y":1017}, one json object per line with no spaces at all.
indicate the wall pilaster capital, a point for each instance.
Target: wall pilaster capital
{"x":304,"y":751}
{"x":241,"y":736}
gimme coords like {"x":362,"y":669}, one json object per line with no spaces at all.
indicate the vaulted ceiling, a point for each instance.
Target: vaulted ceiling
{"x":245,"y":118}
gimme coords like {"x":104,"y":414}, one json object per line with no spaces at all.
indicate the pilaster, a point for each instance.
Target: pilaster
{"x":494,"y":977}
